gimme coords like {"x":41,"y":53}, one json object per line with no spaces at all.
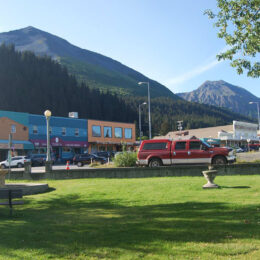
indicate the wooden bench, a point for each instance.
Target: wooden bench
{"x":11,"y":194}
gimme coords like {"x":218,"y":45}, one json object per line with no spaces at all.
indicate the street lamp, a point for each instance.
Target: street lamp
{"x":47,"y":114}
{"x":257,"y":103}
{"x":149,"y":107}
{"x":140,"y":127}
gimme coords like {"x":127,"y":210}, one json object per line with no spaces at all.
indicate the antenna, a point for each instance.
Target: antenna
{"x":179,"y":125}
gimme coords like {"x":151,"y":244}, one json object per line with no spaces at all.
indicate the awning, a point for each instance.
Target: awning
{"x":20,"y":145}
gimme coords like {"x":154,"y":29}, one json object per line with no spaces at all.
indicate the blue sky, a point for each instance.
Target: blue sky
{"x":170,"y":41}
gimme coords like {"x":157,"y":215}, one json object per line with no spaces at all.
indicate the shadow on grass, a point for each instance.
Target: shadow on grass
{"x":72,"y":224}
{"x":234,"y":187}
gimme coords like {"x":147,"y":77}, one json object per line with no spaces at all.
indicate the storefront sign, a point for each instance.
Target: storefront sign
{"x":58,"y":142}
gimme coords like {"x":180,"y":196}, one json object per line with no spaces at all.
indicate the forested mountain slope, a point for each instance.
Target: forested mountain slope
{"x":96,"y":70}
{"x":34,"y":84}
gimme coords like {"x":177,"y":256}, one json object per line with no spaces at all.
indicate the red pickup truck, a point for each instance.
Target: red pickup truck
{"x":160,"y":152}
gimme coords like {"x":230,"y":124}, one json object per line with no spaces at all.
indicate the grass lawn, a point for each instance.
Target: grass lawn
{"x":150,"y":218}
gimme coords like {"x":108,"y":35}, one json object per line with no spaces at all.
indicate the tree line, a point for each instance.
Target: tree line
{"x":33,"y":84}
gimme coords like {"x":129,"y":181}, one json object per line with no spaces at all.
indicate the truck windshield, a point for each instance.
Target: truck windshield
{"x":206,"y":144}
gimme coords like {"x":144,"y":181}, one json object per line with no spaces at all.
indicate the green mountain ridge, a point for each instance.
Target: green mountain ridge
{"x":84,"y":64}
{"x":39,"y":83}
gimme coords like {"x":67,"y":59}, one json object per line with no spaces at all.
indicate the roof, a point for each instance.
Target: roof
{"x":209,"y":132}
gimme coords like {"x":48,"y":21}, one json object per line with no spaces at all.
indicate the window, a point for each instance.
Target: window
{"x":63,"y":132}
{"x":76,"y":132}
{"x":35,"y":129}
{"x":195,"y":145}
{"x":128,"y":133}
{"x":180,"y":146}
{"x":118,"y":132}
{"x":13,"y":129}
{"x":108,"y":131}
{"x":155,"y":146}
{"x":96,"y":131}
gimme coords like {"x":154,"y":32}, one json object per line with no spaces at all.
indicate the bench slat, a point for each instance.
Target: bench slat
{"x":13,"y":203}
{"x":4,"y":194}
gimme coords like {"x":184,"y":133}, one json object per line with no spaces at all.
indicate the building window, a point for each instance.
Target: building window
{"x":13,"y":129}
{"x":118,"y":132}
{"x":63,"y":131}
{"x":76,"y":132}
{"x":96,"y":131}
{"x":35,"y":129}
{"x":128,"y":133}
{"x":107,"y":131}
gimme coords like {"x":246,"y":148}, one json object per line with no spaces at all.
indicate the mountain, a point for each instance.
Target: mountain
{"x":96,"y":70}
{"x":30,"y":83}
{"x":223,"y":94}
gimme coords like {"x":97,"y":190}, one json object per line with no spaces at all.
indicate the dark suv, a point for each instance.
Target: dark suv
{"x":39,"y":159}
{"x":104,"y":154}
{"x":82,"y":159}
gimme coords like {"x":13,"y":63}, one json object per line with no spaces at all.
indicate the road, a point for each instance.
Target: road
{"x":248,"y":157}
{"x":54,"y":167}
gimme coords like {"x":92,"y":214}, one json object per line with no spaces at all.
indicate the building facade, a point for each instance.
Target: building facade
{"x":238,"y":134}
{"x":68,"y":136}
{"x":16,"y":124}
{"x":110,"y":136}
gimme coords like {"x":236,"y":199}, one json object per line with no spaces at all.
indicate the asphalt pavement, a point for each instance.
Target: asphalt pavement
{"x":248,"y":157}
{"x":54,"y":167}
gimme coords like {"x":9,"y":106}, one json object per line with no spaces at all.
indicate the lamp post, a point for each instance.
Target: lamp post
{"x":140,"y":127}
{"x":257,"y":104}
{"x":149,"y":107}
{"x":47,"y":114}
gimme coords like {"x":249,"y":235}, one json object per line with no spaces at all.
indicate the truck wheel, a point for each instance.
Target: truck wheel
{"x":3,"y":166}
{"x":220,"y":160}
{"x":155,"y":162}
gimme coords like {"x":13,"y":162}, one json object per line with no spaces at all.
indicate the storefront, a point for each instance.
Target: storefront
{"x":68,"y":136}
{"x":243,"y":133}
{"x":110,"y":136}
{"x":17,"y":148}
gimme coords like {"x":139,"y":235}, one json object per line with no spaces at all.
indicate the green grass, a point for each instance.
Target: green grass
{"x":150,"y":218}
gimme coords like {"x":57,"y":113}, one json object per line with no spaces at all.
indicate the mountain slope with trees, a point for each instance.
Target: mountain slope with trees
{"x":222,"y":94}
{"x":33,"y":84}
{"x":96,"y":70}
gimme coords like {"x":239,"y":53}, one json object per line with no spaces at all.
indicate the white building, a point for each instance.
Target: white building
{"x":242,"y":133}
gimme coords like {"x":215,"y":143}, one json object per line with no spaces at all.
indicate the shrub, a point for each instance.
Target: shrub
{"x":125,"y":159}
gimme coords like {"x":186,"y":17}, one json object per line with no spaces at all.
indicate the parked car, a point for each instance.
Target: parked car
{"x":254,"y":147}
{"x":16,"y":161}
{"x":82,"y":159}
{"x":100,"y":159}
{"x":40,"y":159}
{"x":156,"y":153}
{"x":104,"y":154}
{"x":239,"y":150}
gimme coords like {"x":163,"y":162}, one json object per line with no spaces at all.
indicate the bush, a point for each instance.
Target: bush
{"x":125,"y":159}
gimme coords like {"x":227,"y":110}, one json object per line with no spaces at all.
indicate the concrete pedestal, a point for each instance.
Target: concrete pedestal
{"x":27,"y":167}
{"x":210,"y":176}
{"x":48,"y":166}
{"x":2,"y":178}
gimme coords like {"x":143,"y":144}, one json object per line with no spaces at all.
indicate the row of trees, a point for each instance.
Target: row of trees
{"x":33,"y":84}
